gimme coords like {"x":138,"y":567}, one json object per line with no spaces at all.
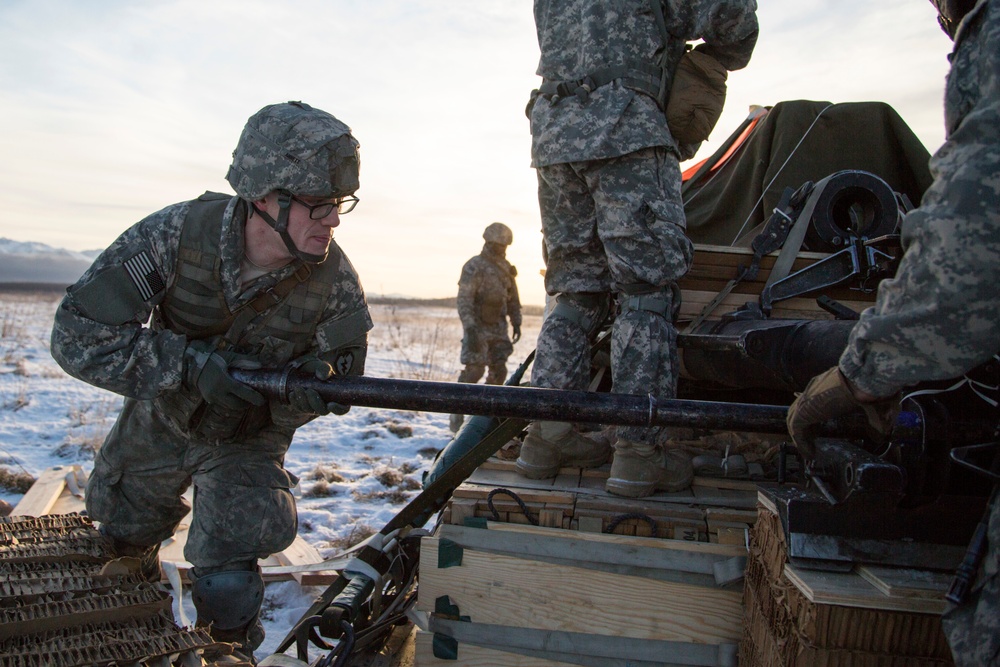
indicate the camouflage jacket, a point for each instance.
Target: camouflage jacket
{"x":120,"y":352}
{"x":579,"y":37}
{"x":940,"y":316}
{"x":487,"y":292}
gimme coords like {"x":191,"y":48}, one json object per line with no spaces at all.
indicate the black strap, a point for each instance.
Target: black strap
{"x":264,"y":302}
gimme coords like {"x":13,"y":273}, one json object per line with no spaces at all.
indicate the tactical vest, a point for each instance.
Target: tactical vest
{"x":272,"y":328}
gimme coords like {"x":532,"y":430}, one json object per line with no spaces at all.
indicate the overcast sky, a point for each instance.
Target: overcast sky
{"x":112,"y":109}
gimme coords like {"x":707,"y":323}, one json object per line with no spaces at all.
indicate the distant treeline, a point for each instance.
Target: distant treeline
{"x":448,"y":302}
{"x":34,"y":288}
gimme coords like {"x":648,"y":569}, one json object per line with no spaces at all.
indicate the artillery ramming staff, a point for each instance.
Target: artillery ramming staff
{"x":523,"y":402}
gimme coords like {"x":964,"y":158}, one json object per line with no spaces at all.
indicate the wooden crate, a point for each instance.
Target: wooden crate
{"x":511,"y":594}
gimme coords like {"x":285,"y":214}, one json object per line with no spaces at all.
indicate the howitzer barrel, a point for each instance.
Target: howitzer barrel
{"x":523,"y":402}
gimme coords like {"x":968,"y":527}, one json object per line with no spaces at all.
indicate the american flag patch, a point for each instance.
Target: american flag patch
{"x":144,"y":276}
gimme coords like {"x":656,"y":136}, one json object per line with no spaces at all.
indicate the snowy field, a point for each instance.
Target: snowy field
{"x":355,"y":471}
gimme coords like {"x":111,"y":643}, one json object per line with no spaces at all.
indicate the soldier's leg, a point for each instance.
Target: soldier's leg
{"x":973,"y":627}
{"x":135,"y":490}
{"x":641,"y":224}
{"x":577,"y":272}
{"x":474,"y":357}
{"x":472,"y":373}
{"x":500,"y":348}
{"x":243,"y":511}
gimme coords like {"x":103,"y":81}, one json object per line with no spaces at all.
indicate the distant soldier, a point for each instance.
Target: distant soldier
{"x":939,"y":317}
{"x":487,"y":297}
{"x":182,"y":297}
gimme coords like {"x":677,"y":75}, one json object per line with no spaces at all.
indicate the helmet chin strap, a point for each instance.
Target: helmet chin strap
{"x":281,"y":226}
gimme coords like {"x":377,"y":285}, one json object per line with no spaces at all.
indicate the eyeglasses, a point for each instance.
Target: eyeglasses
{"x":344,"y":205}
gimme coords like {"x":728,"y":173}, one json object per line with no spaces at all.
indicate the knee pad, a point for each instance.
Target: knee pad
{"x":228,"y":600}
{"x":662,"y":301}
{"x":586,"y":310}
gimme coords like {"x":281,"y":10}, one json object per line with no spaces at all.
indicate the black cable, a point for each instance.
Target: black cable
{"x":632,"y":515}
{"x":517,"y":499}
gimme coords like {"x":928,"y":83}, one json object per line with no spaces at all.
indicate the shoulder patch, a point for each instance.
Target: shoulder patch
{"x":344,"y":362}
{"x":144,"y":276}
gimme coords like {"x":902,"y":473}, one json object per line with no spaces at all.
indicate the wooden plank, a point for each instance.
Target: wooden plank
{"x":850,"y":590}
{"x":45,"y":492}
{"x":301,"y":552}
{"x":746,"y":485}
{"x":906,"y":582}
{"x":725,"y":514}
{"x":475,"y":656}
{"x":479,"y":490}
{"x":613,"y":547}
{"x":797,"y":308}
{"x":737,"y":535}
{"x":497,"y":589}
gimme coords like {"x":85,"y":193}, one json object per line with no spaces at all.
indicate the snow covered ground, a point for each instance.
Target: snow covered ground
{"x":356,"y":471}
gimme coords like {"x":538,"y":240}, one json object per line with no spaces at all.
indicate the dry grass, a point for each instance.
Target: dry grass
{"x":15,"y":482}
{"x":359,"y":532}
{"x":426,"y":340}
{"x":82,"y":445}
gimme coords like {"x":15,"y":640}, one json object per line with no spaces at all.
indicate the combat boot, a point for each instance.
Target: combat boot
{"x":148,"y":557}
{"x":228,"y":603}
{"x":549,"y":446}
{"x":639,"y":470}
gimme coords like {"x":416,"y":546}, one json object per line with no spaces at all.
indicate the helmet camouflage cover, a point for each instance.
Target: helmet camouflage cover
{"x":294,"y":147}
{"x":498,"y":232}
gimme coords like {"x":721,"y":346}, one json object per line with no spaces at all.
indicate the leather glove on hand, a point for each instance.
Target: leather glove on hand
{"x":517,"y":334}
{"x":828,"y":396}
{"x":206,"y":369}
{"x":309,"y":400}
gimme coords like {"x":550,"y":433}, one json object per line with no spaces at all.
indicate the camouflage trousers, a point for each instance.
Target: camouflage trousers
{"x":973,"y":628}
{"x":489,"y":346}
{"x":243,"y":508}
{"x":613,"y":226}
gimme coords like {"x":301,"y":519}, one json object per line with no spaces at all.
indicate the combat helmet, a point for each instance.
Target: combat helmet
{"x":497,"y":232}
{"x":951,"y":13}
{"x":294,"y":149}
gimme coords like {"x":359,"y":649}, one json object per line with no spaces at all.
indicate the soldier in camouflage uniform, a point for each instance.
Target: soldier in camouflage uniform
{"x":188,"y":293}
{"x":612,"y":218}
{"x":487,"y":297}
{"x":940,"y":316}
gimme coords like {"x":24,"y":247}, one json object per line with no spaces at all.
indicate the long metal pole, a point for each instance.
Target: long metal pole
{"x":524,"y":402}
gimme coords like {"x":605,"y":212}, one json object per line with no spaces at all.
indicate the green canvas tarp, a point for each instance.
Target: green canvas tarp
{"x":795,"y":142}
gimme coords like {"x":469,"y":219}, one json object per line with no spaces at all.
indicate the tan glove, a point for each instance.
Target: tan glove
{"x":828,"y":396}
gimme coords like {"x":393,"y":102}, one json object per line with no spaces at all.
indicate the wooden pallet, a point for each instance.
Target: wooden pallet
{"x":714,"y":266}
{"x":60,"y":490}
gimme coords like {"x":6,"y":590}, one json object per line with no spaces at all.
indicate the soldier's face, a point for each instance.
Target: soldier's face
{"x":311,"y":236}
